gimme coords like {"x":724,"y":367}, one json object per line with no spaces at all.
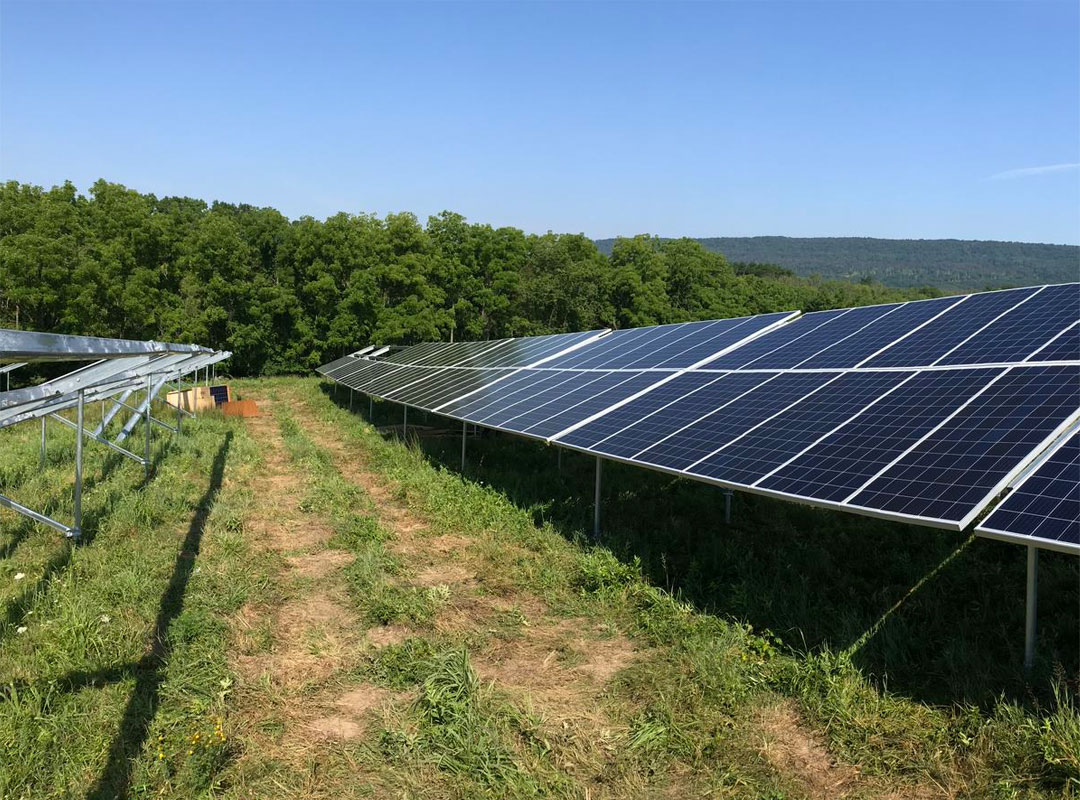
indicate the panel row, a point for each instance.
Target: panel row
{"x":934,"y":446}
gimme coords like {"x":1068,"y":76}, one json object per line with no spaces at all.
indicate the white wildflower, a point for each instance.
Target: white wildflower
{"x":20,"y":575}
{"x":21,"y":629}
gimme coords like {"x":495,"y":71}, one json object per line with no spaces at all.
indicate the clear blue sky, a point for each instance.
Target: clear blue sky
{"x":802,"y":119}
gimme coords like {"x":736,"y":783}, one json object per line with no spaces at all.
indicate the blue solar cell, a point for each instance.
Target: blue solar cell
{"x":848,"y":458}
{"x":534,"y":349}
{"x":1066,"y":347}
{"x":837,"y":329}
{"x":414,"y":353}
{"x":1046,"y":506}
{"x":371,"y":373}
{"x":570,"y":406}
{"x":627,"y":415}
{"x":1023,"y":330}
{"x":950,"y":474}
{"x":459,"y":353}
{"x":664,"y":346}
{"x":930,"y":343}
{"x":700,"y":438}
{"x":785,"y":436}
{"x":330,"y":368}
{"x":497,"y":399}
{"x":395,"y":379}
{"x":665,"y":410}
{"x":878,"y":334}
{"x":785,"y":335}
{"x":447,"y":385}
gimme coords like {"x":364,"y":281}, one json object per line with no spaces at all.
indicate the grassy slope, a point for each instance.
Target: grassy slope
{"x":92,"y":706}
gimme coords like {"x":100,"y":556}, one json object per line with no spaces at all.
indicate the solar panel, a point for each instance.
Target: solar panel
{"x":626,"y":431}
{"x":955,"y":470}
{"x":1063,"y":347}
{"x":571,"y":404}
{"x":454,"y":354}
{"x":386,"y":384}
{"x":329,"y":368}
{"x":543,"y":402}
{"x":837,"y":329}
{"x":415,"y":352}
{"x":765,"y":448}
{"x":929,"y":343}
{"x":448,"y":385}
{"x":1022,"y":330}
{"x":878,"y":334}
{"x":848,"y":458}
{"x":773,"y":341}
{"x":677,"y":346}
{"x":700,"y":437}
{"x":533,"y":350}
{"x":1043,"y":509}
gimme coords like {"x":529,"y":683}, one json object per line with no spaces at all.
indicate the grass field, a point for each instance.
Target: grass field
{"x":304,"y":605}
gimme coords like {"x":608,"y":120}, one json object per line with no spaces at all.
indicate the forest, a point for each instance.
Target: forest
{"x":952,"y":264}
{"x":287,"y":295}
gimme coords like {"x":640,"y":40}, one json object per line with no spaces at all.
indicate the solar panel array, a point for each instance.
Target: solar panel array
{"x":922,"y":411}
{"x":1045,"y":505}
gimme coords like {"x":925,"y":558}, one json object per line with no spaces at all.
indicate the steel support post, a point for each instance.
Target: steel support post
{"x":558,"y":458}
{"x":146,"y":420}
{"x":727,"y":506}
{"x":405,"y":423}
{"x":370,"y":409}
{"x":464,"y":428}
{"x":596,"y":499}
{"x":1032,"y":606}
{"x":43,"y":442}
{"x":179,"y":412}
{"x":76,"y":528}
{"x":352,"y":395}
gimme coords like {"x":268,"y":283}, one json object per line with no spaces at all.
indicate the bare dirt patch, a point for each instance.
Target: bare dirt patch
{"x":444,"y":574}
{"x":384,"y":635}
{"x":561,"y":668}
{"x":337,"y":727}
{"x":795,"y":751}
{"x":362,"y":699}
{"x":319,"y":565}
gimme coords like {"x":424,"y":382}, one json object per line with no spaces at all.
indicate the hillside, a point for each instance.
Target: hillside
{"x":902,"y":263}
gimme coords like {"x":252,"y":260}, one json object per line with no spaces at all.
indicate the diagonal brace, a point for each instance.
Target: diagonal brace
{"x":19,"y":508}
{"x":100,"y":429}
{"x":100,"y":439}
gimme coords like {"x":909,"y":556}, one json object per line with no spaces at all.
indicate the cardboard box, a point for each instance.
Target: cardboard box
{"x":198,"y":398}
{"x":240,"y":408}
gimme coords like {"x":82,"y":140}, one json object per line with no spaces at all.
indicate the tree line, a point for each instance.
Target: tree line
{"x":287,"y":295}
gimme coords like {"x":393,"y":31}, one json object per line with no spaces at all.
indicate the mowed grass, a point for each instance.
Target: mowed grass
{"x":901,"y":645}
{"x":113,"y":665}
{"x":897,"y":647}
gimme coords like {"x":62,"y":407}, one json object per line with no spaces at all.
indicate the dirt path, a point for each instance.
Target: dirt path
{"x":296,"y":651}
{"x":559,"y":666}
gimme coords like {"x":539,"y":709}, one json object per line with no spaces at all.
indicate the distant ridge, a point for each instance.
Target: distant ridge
{"x":904,"y":263}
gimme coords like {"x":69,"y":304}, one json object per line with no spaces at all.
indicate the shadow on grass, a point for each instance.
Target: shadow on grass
{"x":150,"y":670}
{"x":930,"y":614}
